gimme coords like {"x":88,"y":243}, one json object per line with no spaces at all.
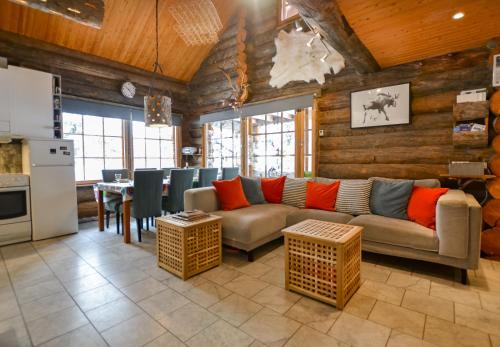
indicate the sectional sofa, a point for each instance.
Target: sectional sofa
{"x":455,"y":242}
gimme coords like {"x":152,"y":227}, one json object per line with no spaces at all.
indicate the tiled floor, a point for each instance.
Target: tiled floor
{"x":91,"y":289}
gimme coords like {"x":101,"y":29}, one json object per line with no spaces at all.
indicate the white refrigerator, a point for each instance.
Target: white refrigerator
{"x":50,"y":164}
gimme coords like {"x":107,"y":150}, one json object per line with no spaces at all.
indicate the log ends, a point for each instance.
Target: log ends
{"x":491,"y":213}
{"x":495,"y":103}
{"x":490,"y":242}
{"x":493,"y":187}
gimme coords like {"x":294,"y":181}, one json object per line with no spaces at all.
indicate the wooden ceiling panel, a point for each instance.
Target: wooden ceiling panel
{"x":401,"y":31}
{"x":127,"y":34}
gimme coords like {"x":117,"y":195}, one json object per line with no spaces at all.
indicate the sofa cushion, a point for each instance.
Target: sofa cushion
{"x":426,"y":182}
{"x":255,"y":222}
{"x":230,"y":193}
{"x":354,"y":197}
{"x":321,"y":196}
{"x":273,"y":189}
{"x":327,"y":216}
{"x":252,"y":190}
{"x":422,"y":205}
{"x":397,"y":232}
{"x":390,"y":199}
{"x":294,"y":192}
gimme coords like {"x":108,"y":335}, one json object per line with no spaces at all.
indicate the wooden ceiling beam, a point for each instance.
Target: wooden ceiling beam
{"x":327,"y":18}
{"x":88,"y":12}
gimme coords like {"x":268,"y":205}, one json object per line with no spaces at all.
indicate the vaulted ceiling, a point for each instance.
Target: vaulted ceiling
{"x":127,"y":34}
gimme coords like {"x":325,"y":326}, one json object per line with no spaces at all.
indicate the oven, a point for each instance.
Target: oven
{"x":14,"y":205}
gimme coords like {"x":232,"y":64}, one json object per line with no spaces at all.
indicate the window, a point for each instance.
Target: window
{"x":287,"y":11}
{"x":98,"y":144}
{"x":271,"y":144}
{"x":308,"y":140}
{"x":153,"y":147}
{"x":223,"y":144}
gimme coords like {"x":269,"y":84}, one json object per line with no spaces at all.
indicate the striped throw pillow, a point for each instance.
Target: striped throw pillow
{"x":354,"y":197}
{"x":294,"y":193}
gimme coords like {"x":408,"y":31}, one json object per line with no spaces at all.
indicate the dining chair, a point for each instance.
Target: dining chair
{"x":180,"y":181}
{"x":147,"y":199}
{"x":206,"y":176}
{"x":166,"y":171}
{"x":113,"y":205}
{"x":230,"y":172}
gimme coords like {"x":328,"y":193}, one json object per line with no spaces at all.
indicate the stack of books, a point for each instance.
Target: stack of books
{"x":190,"y":216}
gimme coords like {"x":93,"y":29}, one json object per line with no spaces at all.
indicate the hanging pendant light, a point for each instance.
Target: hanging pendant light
{"x":157,"y":107}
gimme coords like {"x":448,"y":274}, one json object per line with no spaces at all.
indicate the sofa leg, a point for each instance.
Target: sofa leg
{"x":463,"y":276}
{"x":250,"y":256}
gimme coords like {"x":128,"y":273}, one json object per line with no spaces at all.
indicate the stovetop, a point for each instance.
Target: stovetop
{"x":14,"y":180}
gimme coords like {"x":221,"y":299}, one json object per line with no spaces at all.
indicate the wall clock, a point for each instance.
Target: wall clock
{"x":128,"y":90}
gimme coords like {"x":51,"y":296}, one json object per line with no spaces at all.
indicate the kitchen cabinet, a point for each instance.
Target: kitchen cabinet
{"x":4,"y":102}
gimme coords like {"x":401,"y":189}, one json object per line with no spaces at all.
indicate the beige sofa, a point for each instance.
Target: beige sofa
{"x":455,"y":242}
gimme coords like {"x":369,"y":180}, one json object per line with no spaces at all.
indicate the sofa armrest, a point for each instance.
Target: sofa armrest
{"x":452,"y":224}
{"x":204,"y":199}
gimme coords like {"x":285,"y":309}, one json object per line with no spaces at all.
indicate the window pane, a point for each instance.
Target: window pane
{"x":92,"y":125}
{"x":308,"y":150}
{"x":167,"y":133}
{"x":114,"y":163}
{"x":273,"y":123}
{"x":93,"y":146}
{"x":273,"y":166}
{"x":289,"y":121}
{"x":112,"y":127}
{"x":139,"y":163}
{"x":79,"y":173}
{"x":227,"y":128}
{"x":258,"y":166}
{"x":72,"y":123}
{"x":227,"y":147}
{"x":78,"y":144}
{"x":227,"y":162}
{"x":258,"y":125}
{"x":289,"y":143}
{"x":152,"y":148}
{"x":93,"y":169}
{"x":138,"y":129}
{"x":168,"y":162}
{"x":139,"y":148}
{"x":113,"y":147}
{"x":153,"y":163}
{"x":273,"y":144}
{"x":213,"y":147}
{"x":167,"y":149}
{"x":288,"y":166}
{"x":152,"y":133}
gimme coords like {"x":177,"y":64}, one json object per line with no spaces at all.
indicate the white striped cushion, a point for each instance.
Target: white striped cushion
{"x":294,"y":192}
{"x":354,"y":197}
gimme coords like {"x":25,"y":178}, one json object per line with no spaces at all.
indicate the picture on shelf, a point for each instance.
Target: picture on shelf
{"x":381,"y":106}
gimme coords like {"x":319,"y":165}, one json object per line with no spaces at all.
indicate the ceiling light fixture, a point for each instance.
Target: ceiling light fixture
{"x":458,"y":15}
{"x":323,"y":58}
{"x":298,"y":27}
{"x":74,"y":10}
{"x":157,"y":107}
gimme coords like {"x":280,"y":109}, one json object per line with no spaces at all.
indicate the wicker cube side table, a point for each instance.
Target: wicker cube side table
{"x":323,"y":260}
{"x":188,"y":248}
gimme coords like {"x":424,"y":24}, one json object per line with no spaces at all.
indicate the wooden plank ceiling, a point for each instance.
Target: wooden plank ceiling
{"x":401,"y":31}
{"x":127,"y":34}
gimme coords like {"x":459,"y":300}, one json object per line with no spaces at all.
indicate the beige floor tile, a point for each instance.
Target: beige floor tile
{"x":235,"y":309}
{"x":275,"y":277}
{"x":314,"y":314}
{"x":161,"y":304}
{"x":220,"y":334}
{"x":84,"y":284}
{"x":39,"y":290}
{"x":221,"y":274}
{"x":38,"y":308}
{"x":13,"y":333}
{"x":255,"y":269}
{"x":277,"y":299}
{"x":359,"y":332}
{"x":187,"y":321}
{"x":113,"y":313}
{"x":182,"y":286}
{"x":70,"y":274}
{"x":156,"y":272}
{"x":143,"y":289}
{"x":360,"y":305}
{"x":9,"y":308}
{"x":373,"y":273}
{"x":409,"y":282}
{"x":398,"y":318}
{"x":270,"y":327}
{"x":166,"y":340}
{"x":479,"y":319}
{"x":56,"y":324}
{"x":398,"y":339}
{"x":136,"y":331}
{"x":257,"y":343}
{"x":277,"y":262}
{"x":306,"y":336}
{"x":96,"y":297}
{"x":382,"y":291}
{"x":127,"y":277}
{"x":207,"y":294}
{"x":490,"y":302}
{"x":85,"y":336}
{"x":246,"y":286}
{"x":448,"y":334}
{"x":462,"y":296}
{"x":430,"y":305}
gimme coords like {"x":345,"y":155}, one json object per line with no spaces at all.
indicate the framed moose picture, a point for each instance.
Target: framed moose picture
{"x":381,"y":106}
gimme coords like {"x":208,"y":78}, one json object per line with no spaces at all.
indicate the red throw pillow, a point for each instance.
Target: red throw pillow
{"x":422,"y":205}
{"x":230,"y":193}
{"x":273,"y":189}
{"x":321,"y":196}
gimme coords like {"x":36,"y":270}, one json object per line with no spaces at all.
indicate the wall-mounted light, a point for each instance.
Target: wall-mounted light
{"x":458,"y":15}
{"x":298,"y":27}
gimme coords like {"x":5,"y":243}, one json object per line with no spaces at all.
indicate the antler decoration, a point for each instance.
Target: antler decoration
{"x":240,"y":92}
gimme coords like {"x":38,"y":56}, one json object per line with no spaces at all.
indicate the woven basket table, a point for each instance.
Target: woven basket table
{"x":323,"y":260}
{"x":188,"y":248}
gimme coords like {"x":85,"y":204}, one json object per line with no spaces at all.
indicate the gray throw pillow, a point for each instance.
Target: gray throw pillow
{"x":390,"y":199}
{"x":252,"y":190}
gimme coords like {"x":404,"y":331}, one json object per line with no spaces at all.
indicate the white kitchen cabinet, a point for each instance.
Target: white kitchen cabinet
{"x":31,"y":111}
{"x":4,"y":101}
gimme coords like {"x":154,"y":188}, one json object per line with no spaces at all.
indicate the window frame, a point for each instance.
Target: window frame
{"x":284,"y":22}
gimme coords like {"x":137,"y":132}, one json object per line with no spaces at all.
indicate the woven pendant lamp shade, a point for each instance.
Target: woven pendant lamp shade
{"x":157,"y":111}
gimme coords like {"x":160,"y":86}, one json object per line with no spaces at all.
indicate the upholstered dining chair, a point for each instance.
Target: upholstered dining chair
{"x":180,"y":181}
{"x":147,"y":199}
{"x":113,"y":205}
{"x":166,"y":171}
{"x":206,"y":176}
{"x":230,"y":172}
